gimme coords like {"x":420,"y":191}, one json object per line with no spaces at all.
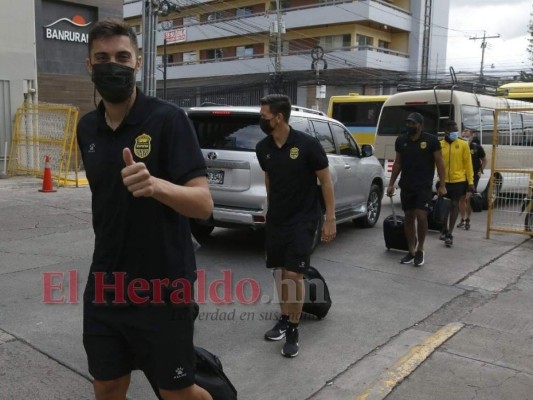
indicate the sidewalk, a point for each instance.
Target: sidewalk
{"x":479,"y":346}
{"x":468,"y":333}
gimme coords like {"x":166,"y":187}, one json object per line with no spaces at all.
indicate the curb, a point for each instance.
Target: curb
{"x":406,"y":364}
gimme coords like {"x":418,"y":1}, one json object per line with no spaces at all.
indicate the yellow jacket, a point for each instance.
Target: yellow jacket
{"x":457,"y":161}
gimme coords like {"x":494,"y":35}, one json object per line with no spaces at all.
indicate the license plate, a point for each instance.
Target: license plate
{"x":215,"y":176}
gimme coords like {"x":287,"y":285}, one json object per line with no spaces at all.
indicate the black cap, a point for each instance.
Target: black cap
{"x":416,"y":117}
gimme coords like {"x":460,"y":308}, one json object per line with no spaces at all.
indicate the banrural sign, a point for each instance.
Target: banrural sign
{"x":51,"y":31}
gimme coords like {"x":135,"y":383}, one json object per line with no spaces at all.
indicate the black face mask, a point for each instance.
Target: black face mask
{"x":411,"y":130}
{"x":264,"y":124}
{"x":114,"y":82}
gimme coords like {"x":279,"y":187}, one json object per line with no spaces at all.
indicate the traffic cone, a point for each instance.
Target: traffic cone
{"x":48,"y":185}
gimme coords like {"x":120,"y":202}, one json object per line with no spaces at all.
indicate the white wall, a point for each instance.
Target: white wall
{"x":17,"y":61}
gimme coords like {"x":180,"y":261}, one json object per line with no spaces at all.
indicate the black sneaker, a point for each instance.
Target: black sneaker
{"x":461,"y":224}
{"x":467,"y":224}
{"x":448,"y":241}
{"x":408,"y":259}
{"x":291,"y":346}
{"x":419,"y":258}
{"x":443,"y":234}
{"x":278,"y":332}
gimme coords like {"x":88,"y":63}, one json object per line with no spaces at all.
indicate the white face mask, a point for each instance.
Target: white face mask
{"x":453,"y":135}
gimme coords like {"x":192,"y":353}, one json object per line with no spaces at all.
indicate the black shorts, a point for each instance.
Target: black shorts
{"x":155,"y":339}
{"x":419,"y":199}
{"x":456,"y":190}
{"x":290,"y":247}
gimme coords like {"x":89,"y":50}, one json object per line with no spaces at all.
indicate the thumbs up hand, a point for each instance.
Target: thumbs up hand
{"x":136,"y":176}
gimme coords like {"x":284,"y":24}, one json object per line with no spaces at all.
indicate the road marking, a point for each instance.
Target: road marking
{"x":407,"y":363}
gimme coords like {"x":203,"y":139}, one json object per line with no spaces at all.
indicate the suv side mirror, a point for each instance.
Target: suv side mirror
{"x":367,"y":150}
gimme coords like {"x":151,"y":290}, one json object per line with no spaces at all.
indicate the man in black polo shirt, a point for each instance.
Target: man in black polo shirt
{"x":292,"y":161}
{"x":147,"y":177}
{"x":479,"y":162}
{"x":417,"y":153}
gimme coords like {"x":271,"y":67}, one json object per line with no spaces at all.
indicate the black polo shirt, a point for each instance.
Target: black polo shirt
{"x":294,"y":193}
{"x":478,"y":153}
{"x":418,"y":160}
{"x":140,"y":236}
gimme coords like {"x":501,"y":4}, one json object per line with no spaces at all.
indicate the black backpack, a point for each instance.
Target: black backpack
{"x":317,"y":300}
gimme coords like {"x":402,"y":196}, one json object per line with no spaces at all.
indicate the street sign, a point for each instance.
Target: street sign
{"x":176,"y":35}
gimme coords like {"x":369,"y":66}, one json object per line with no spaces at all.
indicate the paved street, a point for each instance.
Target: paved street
{"x":459,"y":327}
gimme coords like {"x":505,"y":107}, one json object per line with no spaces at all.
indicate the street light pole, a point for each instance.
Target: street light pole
{"x":165,"y":68}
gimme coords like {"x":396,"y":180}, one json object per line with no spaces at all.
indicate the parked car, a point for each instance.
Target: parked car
{"x":228,"y":136}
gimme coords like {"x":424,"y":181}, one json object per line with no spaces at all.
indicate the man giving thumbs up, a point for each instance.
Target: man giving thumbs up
{"x":147,"y":177}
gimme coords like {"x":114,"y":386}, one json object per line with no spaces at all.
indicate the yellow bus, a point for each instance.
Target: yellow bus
{"x":359,"y":113}
{"x":470,"y":111}
{"x":517,"y":91}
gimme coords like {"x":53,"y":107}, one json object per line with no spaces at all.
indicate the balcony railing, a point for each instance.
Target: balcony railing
{"x":289,"y":53}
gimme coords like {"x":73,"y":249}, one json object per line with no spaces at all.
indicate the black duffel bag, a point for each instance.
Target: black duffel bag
{"x":476,"y":202}
{"x":317,"y":300}
{"x":209,"y":375}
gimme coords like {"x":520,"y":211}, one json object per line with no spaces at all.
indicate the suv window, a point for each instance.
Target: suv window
{"x":342,"y":137}
{"x":228,"y":132}
{"x":323,"y":134}
{"x":300,"y":124}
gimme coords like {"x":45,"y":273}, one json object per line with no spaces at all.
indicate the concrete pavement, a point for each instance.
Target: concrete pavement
{"x":471,"y":336}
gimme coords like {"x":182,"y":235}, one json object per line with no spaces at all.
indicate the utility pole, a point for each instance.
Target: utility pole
{"x":279,"y":25}
{"x":149,"y":26}
{"x":483,"y":46}
{"x":425,"y":41}
{"x":277,"y":28}
{"x":151,"y":10}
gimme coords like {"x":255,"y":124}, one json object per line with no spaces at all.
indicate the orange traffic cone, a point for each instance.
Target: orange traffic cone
{"x":48,"y":185}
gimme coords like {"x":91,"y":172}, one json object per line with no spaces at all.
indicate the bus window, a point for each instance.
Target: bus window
{"x":470,"y":115}
{"x":517,"y":129}
{"x":359,"y":113}
{"x":528,"y":129}
{"x":504,"y":134}
{"x":392,"y":120}
{"x":487,"y":126}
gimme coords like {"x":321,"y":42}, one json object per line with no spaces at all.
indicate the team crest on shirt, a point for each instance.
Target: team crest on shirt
{"x":423,"y":145}
{"x":294,"y":153}
{"x":142,"y":145}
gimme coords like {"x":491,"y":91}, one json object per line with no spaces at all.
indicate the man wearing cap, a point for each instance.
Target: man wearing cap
{"x":417,"y":153}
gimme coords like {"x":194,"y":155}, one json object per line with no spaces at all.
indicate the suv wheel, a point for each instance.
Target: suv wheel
{"x":200,"y":231}
{"x":373,"y":209}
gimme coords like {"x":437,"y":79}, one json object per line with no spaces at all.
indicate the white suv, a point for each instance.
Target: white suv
{"x":228,"y":136}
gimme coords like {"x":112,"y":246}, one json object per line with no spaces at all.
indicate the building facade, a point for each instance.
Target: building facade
{"x":233,"y":52}
{"x":44,"y":48}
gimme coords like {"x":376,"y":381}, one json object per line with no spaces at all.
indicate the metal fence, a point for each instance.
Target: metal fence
{"x":510,"y":207}
{"x":46,"y":130}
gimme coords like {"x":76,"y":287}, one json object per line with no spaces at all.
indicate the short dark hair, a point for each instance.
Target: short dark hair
{"x":278,"y":103}
{"x":112,"y":27}
{"x":450,"y":124}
